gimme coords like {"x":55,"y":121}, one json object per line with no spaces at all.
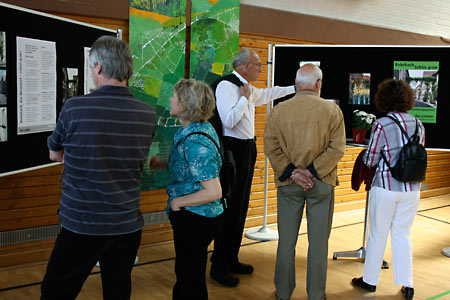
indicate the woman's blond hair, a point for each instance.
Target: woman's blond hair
{"x":197,"y":99}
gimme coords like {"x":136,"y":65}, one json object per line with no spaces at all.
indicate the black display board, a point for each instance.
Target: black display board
{"x":338,"y":62}
{"x":21,"y":152}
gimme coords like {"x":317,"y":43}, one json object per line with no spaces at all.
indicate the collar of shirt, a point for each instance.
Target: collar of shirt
{"x":306,"y":92}
{"x":114,"y":89}
{"x":240,"y":77}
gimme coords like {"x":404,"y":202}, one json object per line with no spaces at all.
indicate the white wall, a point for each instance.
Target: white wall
{"x":430,"y":17}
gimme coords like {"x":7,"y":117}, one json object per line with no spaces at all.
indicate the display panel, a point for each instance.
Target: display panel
{"x":338,"y":62}
{"x":24,"y":151}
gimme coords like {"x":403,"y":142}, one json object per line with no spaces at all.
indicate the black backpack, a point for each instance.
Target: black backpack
{"x":412,"y":161}
{"x":228,"y":169}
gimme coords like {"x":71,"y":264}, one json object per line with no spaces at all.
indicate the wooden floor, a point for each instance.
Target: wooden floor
{"x":153,"y":276}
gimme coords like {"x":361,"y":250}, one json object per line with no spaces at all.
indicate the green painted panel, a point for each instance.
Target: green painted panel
{"x":214,"y":38}
{"x":158,"y":43}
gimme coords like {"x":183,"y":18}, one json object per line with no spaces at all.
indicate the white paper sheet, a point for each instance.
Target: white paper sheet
{"x":88,"y":79}
{"x":36,"y":85}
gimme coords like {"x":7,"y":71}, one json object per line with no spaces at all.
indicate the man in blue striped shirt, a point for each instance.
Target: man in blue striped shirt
{"x":103,"y":139}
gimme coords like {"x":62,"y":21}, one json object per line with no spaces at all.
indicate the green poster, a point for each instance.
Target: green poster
{"x":214,"y":38}
{"x":158,"y":43}
{"x":423,"y":77}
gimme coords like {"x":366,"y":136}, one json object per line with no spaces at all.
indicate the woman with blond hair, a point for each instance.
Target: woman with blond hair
{"x":194,"y":190}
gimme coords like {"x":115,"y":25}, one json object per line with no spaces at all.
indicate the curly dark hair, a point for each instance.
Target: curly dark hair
{"x":394,"y":95}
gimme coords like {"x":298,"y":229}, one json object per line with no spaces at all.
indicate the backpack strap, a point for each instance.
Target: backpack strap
{"x":412,"y":138}
{"x":208,"y":136}
{"x":215,"y":120}
{"x":230,"y":77}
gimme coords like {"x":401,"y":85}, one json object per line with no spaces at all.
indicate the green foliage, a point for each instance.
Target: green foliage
{"x":159,"y":52}
{"x":214,"y":39}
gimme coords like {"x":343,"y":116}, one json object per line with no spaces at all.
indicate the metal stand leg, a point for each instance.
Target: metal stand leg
{"x":361,"y":252}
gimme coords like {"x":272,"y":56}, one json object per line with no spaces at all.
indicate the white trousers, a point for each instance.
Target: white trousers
{"x":392,"y":211}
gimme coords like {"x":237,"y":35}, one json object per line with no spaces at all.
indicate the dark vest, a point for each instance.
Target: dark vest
{"x":215,"y":120}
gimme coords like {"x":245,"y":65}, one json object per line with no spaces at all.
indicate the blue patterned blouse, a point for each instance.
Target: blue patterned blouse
{"x":192,"y":160}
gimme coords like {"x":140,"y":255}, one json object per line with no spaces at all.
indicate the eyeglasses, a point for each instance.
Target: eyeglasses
{"x":259,"y":65}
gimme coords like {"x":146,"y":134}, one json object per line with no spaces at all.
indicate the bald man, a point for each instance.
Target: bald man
{"x":304,"y":139}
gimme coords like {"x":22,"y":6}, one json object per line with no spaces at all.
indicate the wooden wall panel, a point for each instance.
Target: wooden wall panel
{"x":30,"y":199}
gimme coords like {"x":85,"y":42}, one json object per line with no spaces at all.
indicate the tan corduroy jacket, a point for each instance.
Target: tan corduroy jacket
{"x":305,"y":130}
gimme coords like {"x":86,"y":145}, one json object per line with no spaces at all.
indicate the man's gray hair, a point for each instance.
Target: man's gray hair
{"x":114,"y":56}
{"x":308,"y":78}
{"x":241,"y":58}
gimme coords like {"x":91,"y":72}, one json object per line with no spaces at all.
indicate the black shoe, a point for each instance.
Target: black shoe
{"x":241,"y":268}
{"x":223,"y":277}
{"x":359,"y":282}
{"x":408,"y":292}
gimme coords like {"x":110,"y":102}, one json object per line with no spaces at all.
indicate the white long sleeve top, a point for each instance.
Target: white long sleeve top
{"x":237,"y":112}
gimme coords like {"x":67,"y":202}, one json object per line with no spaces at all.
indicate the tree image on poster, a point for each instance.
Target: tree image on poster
{"x":214,"y":38}
{"x":423,"y":77}
{"x":359,"y":89}
{"x":158,"y":42}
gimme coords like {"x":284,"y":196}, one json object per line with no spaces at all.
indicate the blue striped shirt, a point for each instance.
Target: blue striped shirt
{"x":105,"y":136}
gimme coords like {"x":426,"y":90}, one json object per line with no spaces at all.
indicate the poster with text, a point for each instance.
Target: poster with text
{"x":359,"y":89}
{"x":36,"y":85}
{"x":423,"y":77}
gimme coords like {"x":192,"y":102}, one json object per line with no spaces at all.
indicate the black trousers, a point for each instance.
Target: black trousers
{"x":192,"y":235}
{"x":74,"y":255}
{"x":228,"y":241}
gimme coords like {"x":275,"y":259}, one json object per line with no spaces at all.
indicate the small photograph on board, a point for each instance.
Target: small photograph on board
{"x":3,"y":125}
{"x":316,"y":63}
{"x":423,"y":77}
{"x":359,"y":89}
{"x":70,"y":83}
{"x":3,"y":99}
{"x":2,"y":49}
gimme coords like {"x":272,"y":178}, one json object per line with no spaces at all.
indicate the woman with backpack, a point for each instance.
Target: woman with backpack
{"x":194,"y":205}
{"x":393,"y":203}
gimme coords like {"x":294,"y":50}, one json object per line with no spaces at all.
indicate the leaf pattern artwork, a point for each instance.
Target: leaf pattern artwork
{"x":158,"y":42}
{"x":158,"y":46}
{"x":214,"y":38}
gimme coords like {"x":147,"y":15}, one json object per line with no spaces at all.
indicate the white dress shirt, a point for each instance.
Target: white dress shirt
{"x":237,"y":112}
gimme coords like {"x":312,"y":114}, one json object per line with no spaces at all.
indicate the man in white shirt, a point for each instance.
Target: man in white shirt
{"x":236,"y":100}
